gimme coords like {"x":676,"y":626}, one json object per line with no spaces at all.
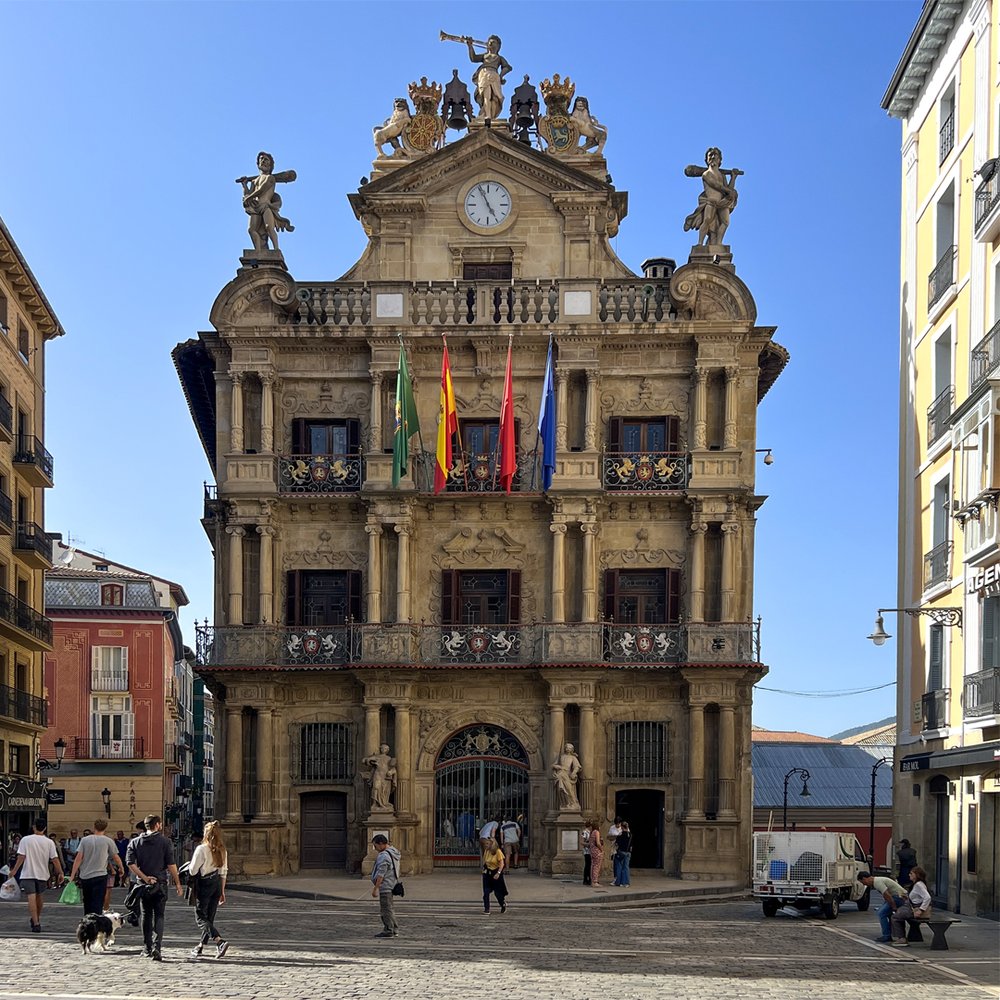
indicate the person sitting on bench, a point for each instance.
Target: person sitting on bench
{"x":916,"y":906}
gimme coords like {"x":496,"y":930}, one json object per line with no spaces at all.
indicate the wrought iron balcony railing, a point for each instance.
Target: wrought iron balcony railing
{"x":946,"y":138}
{"x":939,"y":414}
{"x":23,"y":707}
{"x":982,"y":693}
{"x":320,"y":473}
{"x":937,"y":565}
{"x":987,"y":196}
{"x":31,"y":451}
{"x":360,"y":644}
{"x":653,"y":471}
{"x":942,"y":277}
{"x":986,"y":355}
{"x":30,"y":537}
{"x":84,"y":748}
{"x":935,"y":706}
{"x":6,"y":511}
{"x":479,"y":473}
{"x":25,"y":617}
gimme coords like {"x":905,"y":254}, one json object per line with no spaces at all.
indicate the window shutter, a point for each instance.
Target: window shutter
{"x":95,"y":660}
{"x":355,"y":595}
{"x":673,"y":434}
{"x":935,"y":645}
{"x":449,"y":599}
{"x":300,"y":437}
{"x":991,"y":648}
{"x":615,"y":434}
{"x":353,"y":437}
{"x":610,"y":592}
{"x":673,"y":595}
{"x":128,"y":726}
{"x":292,"y":591}
{"x":514,"y":596}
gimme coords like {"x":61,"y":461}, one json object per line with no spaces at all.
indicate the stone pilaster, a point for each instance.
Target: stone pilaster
{"x":588,"y":759}
{"x":375,"y":435}
{"x":403,"y":573}
{"x":730,"y":532}
{"x":732,"y":403}
{"x":265,"y":763}
{"x":558,"y":572}
{"x":727,"y":762}
{"x":267,"y":534}
{"x":700,"y":405}
{"x":374,"y":530}
{"x":698,"y":531}
{"x":590,"y":427}
{"x":696,"y":762}
{"x":234,"y":764}
{"x":267,"y":386}
{"x":589,"y":529}
{"x":236,"y":413}
{"x":235,"y":533}
{"x":562,"y":379}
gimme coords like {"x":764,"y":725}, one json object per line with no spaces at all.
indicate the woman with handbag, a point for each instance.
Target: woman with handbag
{"x":493,"y":880}
{"x":208,"y":871}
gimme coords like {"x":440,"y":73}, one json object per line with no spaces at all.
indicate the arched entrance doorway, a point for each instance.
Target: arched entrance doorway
{"x":480,"y":773}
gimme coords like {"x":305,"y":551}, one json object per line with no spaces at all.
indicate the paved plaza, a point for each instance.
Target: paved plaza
{"x":290,"y":948}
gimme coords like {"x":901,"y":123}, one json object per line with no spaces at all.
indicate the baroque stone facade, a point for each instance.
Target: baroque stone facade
{"x":472,"y":631}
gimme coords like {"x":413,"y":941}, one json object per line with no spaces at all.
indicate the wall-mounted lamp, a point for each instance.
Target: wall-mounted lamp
{"x":41,"y":764}
{"x":768,"y":457}
{"x":106,"y":799}
{"x":948,"y":617}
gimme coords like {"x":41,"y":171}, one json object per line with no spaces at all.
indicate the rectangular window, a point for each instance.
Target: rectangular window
{"x":112,"y":726}
{"x":112,"y":595}
{"x":4,"y":322}
{"x":990,"y":633}
{"x":652,"y":435}
{"x":19,"y":759}
{"x":326,"y":753}
{"x":475,"y":597}
{"x":642,"y":597}
{"x":109,"y":668}
{"x":972,"y":840}
{"x":323,"y":597}
{"x":640,"y":751}
{"x":326,"y":437}
{"x":935,"y":657}
{"x":941,"y":511}
{"x":488,"y":272}
{"x":23,"y":341}
{"x":946,"y":123}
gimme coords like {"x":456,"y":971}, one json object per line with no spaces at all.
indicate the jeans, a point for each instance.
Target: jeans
{"x":209,"y":893}
{"x":152,"y":917}
{"x":622,"y":862}
{"x":885,"y":913}
{"x":616,"y":865}
{"x":93,"y":893}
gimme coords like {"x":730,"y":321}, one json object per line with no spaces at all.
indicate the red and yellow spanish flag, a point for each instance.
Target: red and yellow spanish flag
{"x":447,"y":424}
{"x":508,"y":448}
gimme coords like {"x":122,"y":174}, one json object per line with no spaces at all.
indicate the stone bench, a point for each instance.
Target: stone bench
{"x":939,"y":927}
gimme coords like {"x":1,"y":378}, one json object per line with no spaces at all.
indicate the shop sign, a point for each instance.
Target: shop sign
{"x":21,"y":795}
{"x":915,"y":764}
{"x":984,"y":581}
{"x":55,"y":796}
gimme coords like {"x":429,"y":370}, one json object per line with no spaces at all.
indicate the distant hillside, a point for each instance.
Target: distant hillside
{"x":888,"y":721}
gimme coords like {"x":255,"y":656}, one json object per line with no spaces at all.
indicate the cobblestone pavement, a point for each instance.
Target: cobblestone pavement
{"x":290,"y":949}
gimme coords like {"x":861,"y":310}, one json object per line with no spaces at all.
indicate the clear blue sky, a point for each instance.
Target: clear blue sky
{"x":126,"y":123}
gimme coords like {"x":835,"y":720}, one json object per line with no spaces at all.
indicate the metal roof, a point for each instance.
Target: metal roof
{"x":839,"y":776}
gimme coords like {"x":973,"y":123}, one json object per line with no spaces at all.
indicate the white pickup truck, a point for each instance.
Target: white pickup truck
{"x":805,"y":869}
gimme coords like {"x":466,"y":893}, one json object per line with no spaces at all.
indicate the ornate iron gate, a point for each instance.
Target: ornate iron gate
{"x":481,"y":773}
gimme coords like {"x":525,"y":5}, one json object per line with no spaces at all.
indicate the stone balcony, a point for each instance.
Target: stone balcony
{"x":525,"y":645}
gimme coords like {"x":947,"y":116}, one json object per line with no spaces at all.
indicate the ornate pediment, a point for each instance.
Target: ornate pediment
{"x":480,"y":548}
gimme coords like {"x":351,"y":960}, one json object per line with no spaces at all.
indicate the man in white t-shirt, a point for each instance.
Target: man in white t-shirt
{"x":510,"y":836}
{"x":487,"y":835}
{"x":33,"y":856}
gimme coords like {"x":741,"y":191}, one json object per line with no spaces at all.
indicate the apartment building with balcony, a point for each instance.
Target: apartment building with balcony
{"x":27,"y":324}
{"x":120,"y":694}
{"x":474,"y":631}
{"x":946,"y":93}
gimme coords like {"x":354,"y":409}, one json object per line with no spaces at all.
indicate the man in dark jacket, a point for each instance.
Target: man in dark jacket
{"x":151,"y":859}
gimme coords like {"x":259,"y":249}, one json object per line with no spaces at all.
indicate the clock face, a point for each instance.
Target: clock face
{"x":487,"y":204}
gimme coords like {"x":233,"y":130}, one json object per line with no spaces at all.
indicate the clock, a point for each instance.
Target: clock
{"x":487,"y":204}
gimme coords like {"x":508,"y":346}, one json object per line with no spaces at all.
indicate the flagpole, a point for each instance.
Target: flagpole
{"x":538,"y":423}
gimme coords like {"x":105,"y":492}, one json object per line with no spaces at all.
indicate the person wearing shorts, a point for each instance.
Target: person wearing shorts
{"x":34,"y":853}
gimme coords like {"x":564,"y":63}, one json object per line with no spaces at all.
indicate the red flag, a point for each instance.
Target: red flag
{"x":447,"y":425}
{"x":508,"y":454}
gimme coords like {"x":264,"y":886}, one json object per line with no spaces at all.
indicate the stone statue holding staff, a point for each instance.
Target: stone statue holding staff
{"x":262,"y":202}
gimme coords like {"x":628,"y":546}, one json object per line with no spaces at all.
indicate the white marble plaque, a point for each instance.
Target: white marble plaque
{"x":577,"y":303}
{"x":389,"y":305}
{"x":571,"y":838}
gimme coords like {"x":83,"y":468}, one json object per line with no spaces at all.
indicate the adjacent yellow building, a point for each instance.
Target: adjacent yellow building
{"x":946,"y":92}
{"x":27,"y":323}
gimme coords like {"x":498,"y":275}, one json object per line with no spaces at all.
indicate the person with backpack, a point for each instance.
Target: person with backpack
{"x":385,"y":875}
{"x":151,"y":859}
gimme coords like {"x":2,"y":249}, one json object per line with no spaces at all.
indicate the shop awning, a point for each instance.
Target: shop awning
{"x":937,"y":760}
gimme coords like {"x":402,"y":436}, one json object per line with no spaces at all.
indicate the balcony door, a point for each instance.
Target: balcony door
{"x":477,"y":597}
{"x":323,"y":597}
{"x":649,"y":436}
{"x":642,"y":597}
{"x":332,"y":438}
{"x":112,"y":726}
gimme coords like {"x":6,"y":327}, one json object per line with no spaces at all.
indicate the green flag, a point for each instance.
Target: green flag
{"x":407,"y":423}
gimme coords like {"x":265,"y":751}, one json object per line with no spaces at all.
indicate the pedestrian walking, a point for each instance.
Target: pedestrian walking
{"x":596,"y":854}
{"x":585,"y":837}
{"x":121,"y":842}
{"x":493,"y":880}
{"x":34,"y":852}
{"x":151,"y":859}
{"x":510,"y":836}
{"x":96,"y":854}
{"x":385,"y":875}
{"x":623,"y":855}
{"x":208,"y":871}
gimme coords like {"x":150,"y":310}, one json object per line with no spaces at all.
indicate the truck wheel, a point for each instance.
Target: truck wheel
{"x":865,"y":900}
{"x":831,"y":909}
{"x":770,"y":907}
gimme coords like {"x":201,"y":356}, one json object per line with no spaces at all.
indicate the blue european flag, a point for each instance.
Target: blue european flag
{"x":547,"y":424}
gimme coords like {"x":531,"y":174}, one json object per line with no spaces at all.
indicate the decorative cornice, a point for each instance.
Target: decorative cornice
{"x":26,"y":286}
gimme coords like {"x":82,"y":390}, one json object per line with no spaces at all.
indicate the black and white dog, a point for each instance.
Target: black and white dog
{"x":99,"y":927}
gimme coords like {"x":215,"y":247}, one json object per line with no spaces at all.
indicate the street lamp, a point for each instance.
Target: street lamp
{"x":106,"y":799}
{"x":941,"y":616}
{"x":805,"y":791}
{"x":46,"y":765}
{"x":871,"y":812}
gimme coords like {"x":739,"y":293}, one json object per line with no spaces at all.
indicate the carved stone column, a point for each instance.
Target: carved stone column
{"x":558,"y":572}
{"x":590,"y":428}
{"x":587,"y":752}
{"x":236,"y":414}
{"x":267,"y":534}
{"x":699,"y":405}
{"x":375,"y":437}
{"x":235,"y":533}
{"x":234,"y":764}
{"x":727,"y":761}
{"x":371,"y":729}
{"x":696,"y":762}
{"x":403,"y":573}
{"x":267,"y":384}
{"x":404,"y":764}
{"x":589,"y":530}
{"x":555,"y":736}
{"x":562,"y":379}
{"x":729,"y":537}
{"x":374,"y":529}
{"x":732,"y":382}
{"x":265,"y":763}
{"x":698,"y":530}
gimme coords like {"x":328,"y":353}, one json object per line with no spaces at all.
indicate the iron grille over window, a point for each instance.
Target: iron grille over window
{"x":640,"y":751}
{"x":326,"y":753}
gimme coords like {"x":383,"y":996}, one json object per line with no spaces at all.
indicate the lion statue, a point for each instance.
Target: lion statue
{"x":590,"y":128}
{"x":392,"y":128}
